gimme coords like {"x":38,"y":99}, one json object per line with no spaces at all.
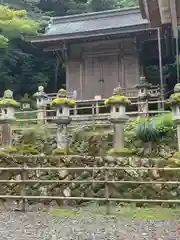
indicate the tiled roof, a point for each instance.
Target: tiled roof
{"x":96,"y":21}
{"x":94,"y":24}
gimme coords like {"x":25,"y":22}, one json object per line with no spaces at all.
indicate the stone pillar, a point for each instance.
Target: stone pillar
{"x":62,"y":104}
{"x":7,"y":106}
{"x":143,"y":95}
{"x":41,"y":102}
{"x":174,"y":101}
{"x":118,"y":116}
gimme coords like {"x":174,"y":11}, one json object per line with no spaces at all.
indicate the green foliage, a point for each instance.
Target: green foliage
{"x":155,"y":127}
{"x":122,"y":152}
{"x":147,"y":132}
{"x":13,"y":23}
{"x":164,"y":124}
{"x":101,"y":5}
{"x":128,"y":3}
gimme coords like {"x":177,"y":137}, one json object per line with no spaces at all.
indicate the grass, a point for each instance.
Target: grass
{"x":64,"y":212}
{"x":154,"y":213}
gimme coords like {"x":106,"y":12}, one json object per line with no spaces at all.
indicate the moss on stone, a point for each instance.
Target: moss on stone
{"x":117,"y":99}
{"x":10,"y":150}
{"x":63,"y":101}
{"x":3,"y":154}
{"x":62,"y":151}
{"x":174,"y":99}
{"x":8,"y":102}
{"x":122,"y":152}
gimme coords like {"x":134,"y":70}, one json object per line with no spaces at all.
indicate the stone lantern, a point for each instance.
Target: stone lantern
{"x":7,"y":116}
{"x":62,"y":104}
{"x":118,"y":117}
{"x":41,"y":102}
{"x":143,"y":95}
{"x":26,"y":103}
{"x":174,"y":102}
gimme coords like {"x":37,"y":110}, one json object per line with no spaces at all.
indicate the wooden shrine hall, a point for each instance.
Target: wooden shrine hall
{"x":105,"y":49}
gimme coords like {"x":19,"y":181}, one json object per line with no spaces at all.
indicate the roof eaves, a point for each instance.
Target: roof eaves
{"x":96,"y":33}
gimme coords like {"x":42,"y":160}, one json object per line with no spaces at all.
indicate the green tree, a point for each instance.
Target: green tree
{"x":14,"y":23}
{"x":102,"y":5}
{"x":128,"y":3}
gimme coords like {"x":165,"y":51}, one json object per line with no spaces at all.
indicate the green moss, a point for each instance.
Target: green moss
{"x":26,"y":149}
{"x":116,"y":98}
{"x":62,"y":151}
{"x":3,"y":154}
{"x":8,"y":102}
{"x":10,"y":150}
{"x":122,"y":152}
{"x":177,"y":154}
{"x":174,"y":99}
{"x":63,"y":101}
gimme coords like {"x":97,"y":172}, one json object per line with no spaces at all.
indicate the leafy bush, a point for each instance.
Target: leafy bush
{"x":147,"y":132}
{"x":164,"y":123}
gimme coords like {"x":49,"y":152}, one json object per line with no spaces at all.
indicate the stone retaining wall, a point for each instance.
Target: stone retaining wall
{"x":125,"y":190}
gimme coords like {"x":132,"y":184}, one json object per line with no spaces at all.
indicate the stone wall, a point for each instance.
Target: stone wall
{"x":125,"y":190}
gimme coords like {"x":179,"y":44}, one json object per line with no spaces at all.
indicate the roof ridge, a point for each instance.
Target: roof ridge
{"x":95,"y":15}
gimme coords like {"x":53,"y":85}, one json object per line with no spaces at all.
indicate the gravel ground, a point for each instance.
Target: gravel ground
{"x":43,"y":226}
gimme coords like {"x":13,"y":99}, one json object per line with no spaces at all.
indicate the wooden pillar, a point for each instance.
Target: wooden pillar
{"x":81,"y":79}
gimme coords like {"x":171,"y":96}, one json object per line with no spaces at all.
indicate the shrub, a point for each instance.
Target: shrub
{"x":164,"y":124}
{"x":147,"y":132}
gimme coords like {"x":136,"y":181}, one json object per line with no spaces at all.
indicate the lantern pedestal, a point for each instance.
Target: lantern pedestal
{"x":62,"y":131}
{"x":118,"y":124}
{"x":177,"y":122}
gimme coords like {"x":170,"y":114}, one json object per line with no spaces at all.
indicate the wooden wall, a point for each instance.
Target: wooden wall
{"x":97,"y":68}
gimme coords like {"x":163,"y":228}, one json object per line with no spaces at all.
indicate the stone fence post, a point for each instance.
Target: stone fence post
{"x":174,"y":102}
{"x":7,"y":117}
{"x":41,"y":98}
{"x":62,"y":104}
{"x":118,"y":116}
{"x":143,"y":95}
